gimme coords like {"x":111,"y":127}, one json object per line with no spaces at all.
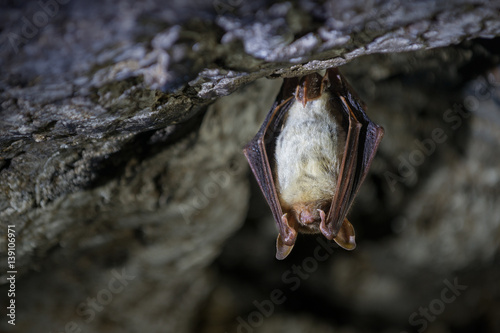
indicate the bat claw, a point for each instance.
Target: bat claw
{"x":323,"y":227}
{"x":289,"y":233}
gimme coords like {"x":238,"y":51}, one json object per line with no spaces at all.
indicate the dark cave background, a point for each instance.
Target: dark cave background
{"x":121,"y":134}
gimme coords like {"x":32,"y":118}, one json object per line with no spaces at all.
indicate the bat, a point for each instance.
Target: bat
{"x":311,"y":155}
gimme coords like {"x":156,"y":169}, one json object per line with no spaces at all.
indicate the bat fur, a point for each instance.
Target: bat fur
{"x":308,"y":157}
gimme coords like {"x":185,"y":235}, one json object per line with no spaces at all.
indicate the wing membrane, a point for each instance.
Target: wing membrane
{"x":363,"y":138}
{"x":257,"y":152}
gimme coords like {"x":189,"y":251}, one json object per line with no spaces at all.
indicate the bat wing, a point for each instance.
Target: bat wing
{"x":257,"y":152}
{"x":363,"y":138}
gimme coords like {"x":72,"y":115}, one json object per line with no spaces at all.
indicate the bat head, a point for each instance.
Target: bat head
{"x":308,"y":216}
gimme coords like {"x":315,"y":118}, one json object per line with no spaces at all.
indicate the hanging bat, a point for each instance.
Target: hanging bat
{"x":311,"y":155}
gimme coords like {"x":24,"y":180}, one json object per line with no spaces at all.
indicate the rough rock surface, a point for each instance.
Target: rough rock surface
{"x":119,"y":157}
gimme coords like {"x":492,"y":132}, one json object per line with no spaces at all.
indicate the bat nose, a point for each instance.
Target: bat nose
{"x":307,"y":217}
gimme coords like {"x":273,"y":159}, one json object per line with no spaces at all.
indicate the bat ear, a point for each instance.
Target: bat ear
{"x":282,"y":250}
{"x":346,"y":236}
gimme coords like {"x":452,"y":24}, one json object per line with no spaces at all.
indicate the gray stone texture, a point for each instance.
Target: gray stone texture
{"x":121,"y":129}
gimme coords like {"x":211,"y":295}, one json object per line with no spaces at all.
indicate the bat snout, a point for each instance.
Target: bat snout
{"x":307,"y":217}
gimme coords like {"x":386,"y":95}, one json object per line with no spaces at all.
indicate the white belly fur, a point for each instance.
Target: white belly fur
{"x":309,"y":152}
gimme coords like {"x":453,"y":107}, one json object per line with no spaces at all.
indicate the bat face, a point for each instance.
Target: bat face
{"x":310,"y":157}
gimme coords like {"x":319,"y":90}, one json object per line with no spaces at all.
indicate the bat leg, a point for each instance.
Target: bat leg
{"x":327,"y":232}
{"x":346,"y":236}
{"x":288,"y":234}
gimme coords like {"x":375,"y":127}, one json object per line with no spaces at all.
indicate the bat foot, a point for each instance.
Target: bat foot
{"x":288,"y":235}
{"x":345,"y":237}
{"x":323,"y":227}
